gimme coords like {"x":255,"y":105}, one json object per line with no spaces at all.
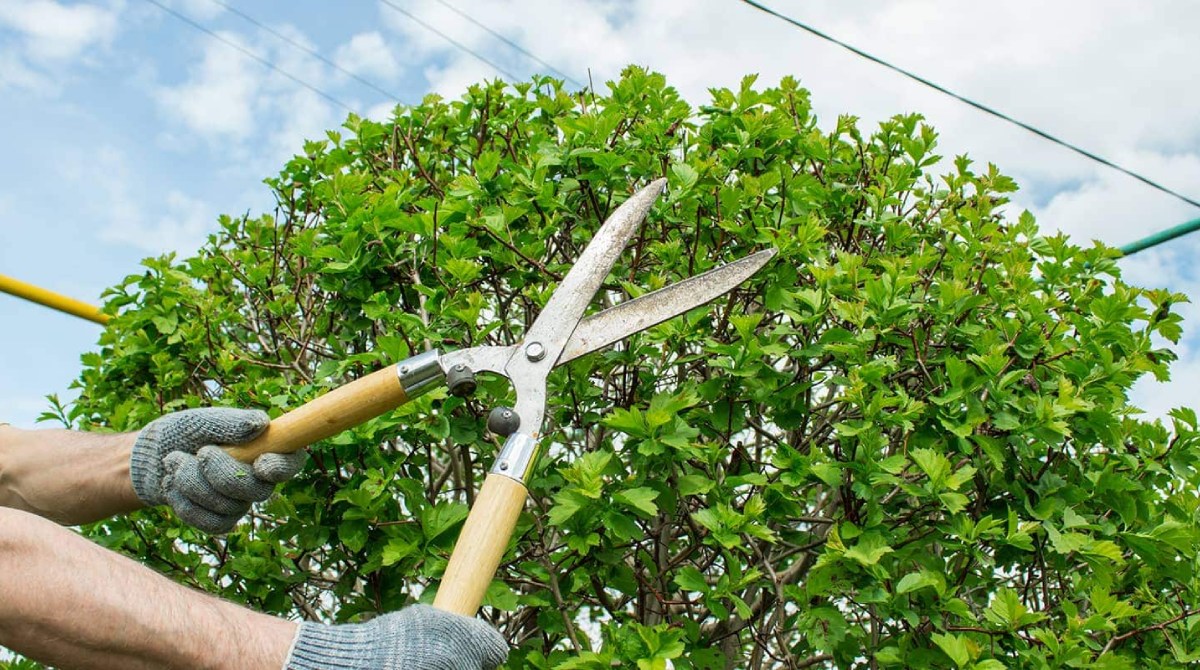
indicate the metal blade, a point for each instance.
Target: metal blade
{"x":548,"y":335}
{"x":545,"y":339}
{"x":616,"y":323}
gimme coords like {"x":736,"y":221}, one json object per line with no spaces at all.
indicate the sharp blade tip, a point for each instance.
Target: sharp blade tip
{"x":761,"y":257}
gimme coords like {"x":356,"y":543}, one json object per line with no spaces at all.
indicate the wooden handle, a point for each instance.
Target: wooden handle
{"x":342,"y":408}
{"x":481,"y":545}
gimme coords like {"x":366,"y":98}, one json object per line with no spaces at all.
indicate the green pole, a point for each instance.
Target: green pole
{"x":1161,"y":237}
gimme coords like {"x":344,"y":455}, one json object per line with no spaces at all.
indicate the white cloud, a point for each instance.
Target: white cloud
{"x":221,"y":95}
{"x":452,"y":78}
{"x":182,"y":226}
{"x":132,"y":214}
{"x":381,"y":111}
{"x":253,"y":115}
{"x":48,"y":38}
{"x":57,"y":32}
{"x":445,"y":64}
{"x":14,"y":73}
{"x":1117,"y":209}
{"x":419,"y":41}
{"x":368,"y":55}
{"x":304,"y":115}
{"x":1156,"y":398}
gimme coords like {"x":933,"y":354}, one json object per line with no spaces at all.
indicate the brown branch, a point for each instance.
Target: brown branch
{"x":1148,"y":629}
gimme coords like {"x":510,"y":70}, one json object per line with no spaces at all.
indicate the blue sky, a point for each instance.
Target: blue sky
{"x":128,"y":131}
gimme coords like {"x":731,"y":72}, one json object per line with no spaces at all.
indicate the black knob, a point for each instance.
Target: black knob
{"x":503,"y":421}
{"x":460,"y":380}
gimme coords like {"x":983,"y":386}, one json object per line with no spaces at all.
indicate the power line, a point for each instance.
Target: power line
{"x":981,"y":107}
{"x":460,"y":45}
{"x":230,"y":43}
{"x":510,"y":43}
{"x":312,"y":52}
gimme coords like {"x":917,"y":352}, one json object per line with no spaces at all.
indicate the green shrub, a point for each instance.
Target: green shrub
{"x":907,"y":442}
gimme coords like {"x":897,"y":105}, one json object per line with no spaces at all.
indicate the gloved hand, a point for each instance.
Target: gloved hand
{"x":176,"y":462}
{"x":415,"y":638}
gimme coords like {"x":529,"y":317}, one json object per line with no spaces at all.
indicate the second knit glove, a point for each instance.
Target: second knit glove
{"x":177,"y":461}
{"x":415,"y":638}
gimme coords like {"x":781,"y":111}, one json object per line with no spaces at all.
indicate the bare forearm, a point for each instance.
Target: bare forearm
{"x":72,"y":604}
{"x":66,"y":476}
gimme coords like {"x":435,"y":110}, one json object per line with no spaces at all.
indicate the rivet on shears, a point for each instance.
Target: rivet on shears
{"x":534,"y":351}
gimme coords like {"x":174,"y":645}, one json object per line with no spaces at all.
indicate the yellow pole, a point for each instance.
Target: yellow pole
{"x":51,"y":299}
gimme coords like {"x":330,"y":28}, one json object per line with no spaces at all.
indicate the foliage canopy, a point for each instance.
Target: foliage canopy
{"x":906,"y":443}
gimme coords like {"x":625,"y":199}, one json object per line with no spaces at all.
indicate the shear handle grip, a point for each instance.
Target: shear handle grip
{"x":344,"y":407}
{"x":481,"y":545}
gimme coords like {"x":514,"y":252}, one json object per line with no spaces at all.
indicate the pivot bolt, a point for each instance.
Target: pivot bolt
{"x":534,"y":351}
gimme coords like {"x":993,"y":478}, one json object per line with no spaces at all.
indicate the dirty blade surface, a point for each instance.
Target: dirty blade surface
{"x":561,"y":315}
{"x":563,"y":311}
{"x":616,"y":323}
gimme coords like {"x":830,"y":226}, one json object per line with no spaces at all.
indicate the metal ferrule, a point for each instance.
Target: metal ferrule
{"x":420,"y":373}
{"x":517,"y":457}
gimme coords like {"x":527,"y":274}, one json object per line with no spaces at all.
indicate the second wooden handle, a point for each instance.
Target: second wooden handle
{"x":481,"y":545}
{"x":342,"y":408}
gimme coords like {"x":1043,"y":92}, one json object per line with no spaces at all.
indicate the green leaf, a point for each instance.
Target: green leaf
{"x":1007,"y":611}
{"x":566,"y":504}
{"x":438,"y":520}
{"x":915,"y":581}
{"x":623,"y":526}
{"x":501,"y":596}
{"x":934,"y":465}
{"x":690,"y":485}
{"x":691,"y":579}
{"x":870,"y":548}
{"x":954,"y":502}
{"x":685,"y":176}
{"x":398,"y":549}
{"x":640,"y":499}
{"x":953,"y":646}
{"x":353,"y":534}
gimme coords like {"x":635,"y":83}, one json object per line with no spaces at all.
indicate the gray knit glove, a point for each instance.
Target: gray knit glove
{"x":175,"y":462}
{"x":415,"y":638}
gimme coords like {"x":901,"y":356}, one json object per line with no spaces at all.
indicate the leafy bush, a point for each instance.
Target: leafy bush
{"x":905,"y":443}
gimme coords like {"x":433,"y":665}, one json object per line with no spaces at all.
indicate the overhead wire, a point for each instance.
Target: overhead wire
{"x":569,"y":79}
{"x":979,"y":106}
{"x":1128,"y":249}
{"x":462,"y":47}
{"x":234,"y":45}
{"x":308,"y":50}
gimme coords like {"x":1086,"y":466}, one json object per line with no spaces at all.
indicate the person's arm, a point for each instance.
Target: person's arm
{"x":66,"y":476}
{"x":73,"y":604}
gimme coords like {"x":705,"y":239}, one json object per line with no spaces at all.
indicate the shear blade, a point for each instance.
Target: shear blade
{"x":616,"y":323}
{"x":562,"y":313}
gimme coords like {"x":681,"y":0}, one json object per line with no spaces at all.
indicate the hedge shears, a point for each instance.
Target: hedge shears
{"x":560,"y":334}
